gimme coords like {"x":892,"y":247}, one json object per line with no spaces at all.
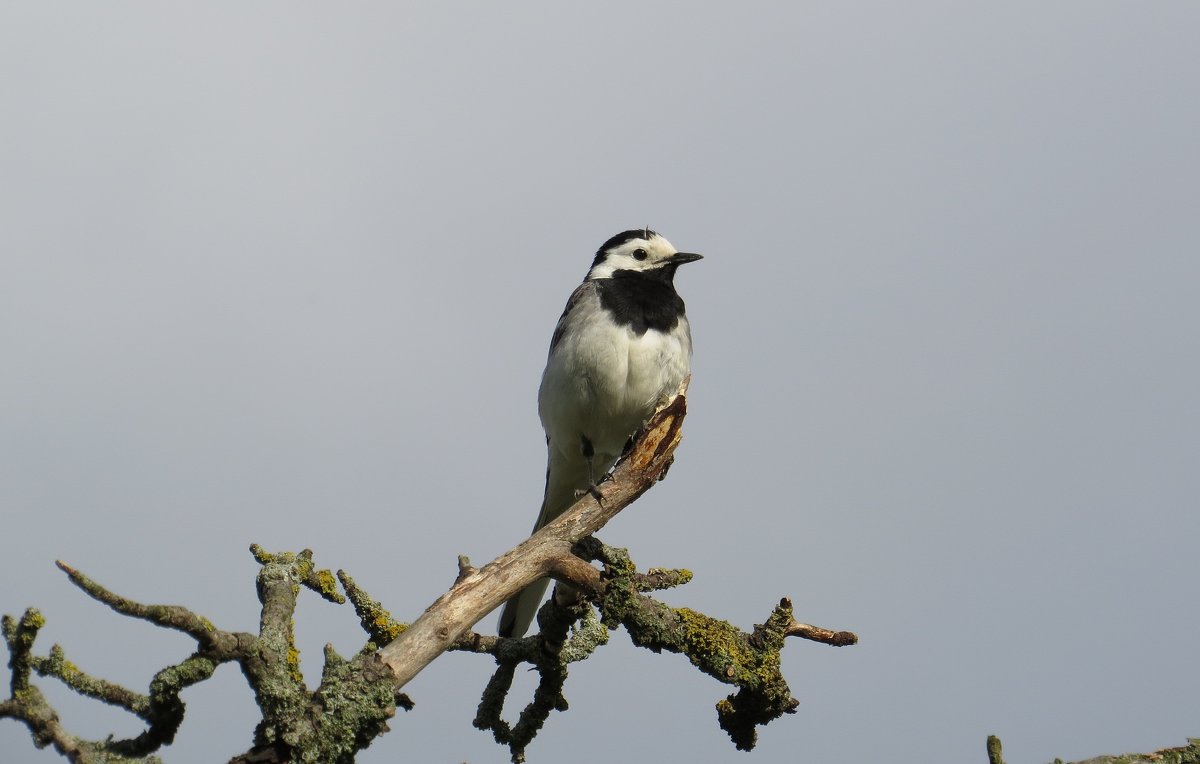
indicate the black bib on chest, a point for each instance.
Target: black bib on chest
{"x":642,"y":300}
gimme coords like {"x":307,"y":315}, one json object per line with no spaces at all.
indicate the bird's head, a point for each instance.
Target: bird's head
{"x":638,"y":250}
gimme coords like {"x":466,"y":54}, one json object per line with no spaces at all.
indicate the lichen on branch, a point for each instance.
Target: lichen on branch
{"x":358,"y":695}
{"x":749,"y":661}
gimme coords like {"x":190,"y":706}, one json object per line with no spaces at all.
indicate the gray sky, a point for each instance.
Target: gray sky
{"x":285,"y":273}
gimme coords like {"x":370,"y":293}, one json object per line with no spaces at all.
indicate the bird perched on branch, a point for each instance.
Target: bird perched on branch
{"x":620,"y":348}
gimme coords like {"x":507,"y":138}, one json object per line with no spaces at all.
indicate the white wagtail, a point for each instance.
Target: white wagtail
{"x":621,"y":347}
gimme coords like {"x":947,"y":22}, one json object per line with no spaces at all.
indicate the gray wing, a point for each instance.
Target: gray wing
{"x":581,"y":293}
{"x":520,"y":611}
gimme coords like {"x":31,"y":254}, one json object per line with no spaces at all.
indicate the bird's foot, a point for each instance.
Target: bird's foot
{"x":592,"y":490}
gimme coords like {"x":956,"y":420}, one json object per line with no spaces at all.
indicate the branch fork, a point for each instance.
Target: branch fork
{"x":357,"y":696}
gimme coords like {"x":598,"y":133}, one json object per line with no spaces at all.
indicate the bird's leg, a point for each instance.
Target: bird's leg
{"x":629,"y":443}
{"x":589,"y":454}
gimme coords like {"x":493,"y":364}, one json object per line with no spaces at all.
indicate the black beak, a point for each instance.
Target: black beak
{"x":679,"y":258}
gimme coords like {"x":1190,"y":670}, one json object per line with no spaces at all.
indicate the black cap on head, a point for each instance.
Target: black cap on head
{"x":621,"y":238}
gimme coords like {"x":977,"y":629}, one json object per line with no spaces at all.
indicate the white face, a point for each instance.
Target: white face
{"x":634,"y":255}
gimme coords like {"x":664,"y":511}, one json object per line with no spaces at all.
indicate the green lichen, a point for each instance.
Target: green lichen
{"x":262,"y":556}
{"x":994,"y":750}
{"x":586,"y":636}
{"x":293,"y":655}
{"x":326,"y":583}
{"x":356,"y":703}
{"x":722,"y":650}
{"x":175,"y":678}
{"x":386,"y":627}
{"x":1188,"y":754}
{"x":375,"y":619}
{"x":751,"y":662}
{"x":303,"y":566}
{"x":21,"y":633}
{"x":293,"y":660}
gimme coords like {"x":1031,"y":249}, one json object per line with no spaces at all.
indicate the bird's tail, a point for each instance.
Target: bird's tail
{"x":519,"y":611}
{"x":564,"y":477}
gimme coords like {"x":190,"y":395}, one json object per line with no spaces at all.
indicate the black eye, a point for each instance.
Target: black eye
{"x":639,"y":254}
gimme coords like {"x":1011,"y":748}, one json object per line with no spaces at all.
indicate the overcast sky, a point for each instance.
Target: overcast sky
{"x":286,"y":273}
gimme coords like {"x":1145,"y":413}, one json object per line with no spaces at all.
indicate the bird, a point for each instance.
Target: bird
{"x":622,"y":346}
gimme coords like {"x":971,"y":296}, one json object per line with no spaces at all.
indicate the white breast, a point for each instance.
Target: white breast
{"x":602,"y":382}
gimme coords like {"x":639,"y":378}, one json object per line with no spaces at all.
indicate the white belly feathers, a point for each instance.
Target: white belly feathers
{"x":607,"y":384}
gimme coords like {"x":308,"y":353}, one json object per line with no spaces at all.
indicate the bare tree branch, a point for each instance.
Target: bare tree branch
{"x":1188,"y":754}
{"x":546,"y":553}
{"x":358,"y":695}
{"x":818,"y":634}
